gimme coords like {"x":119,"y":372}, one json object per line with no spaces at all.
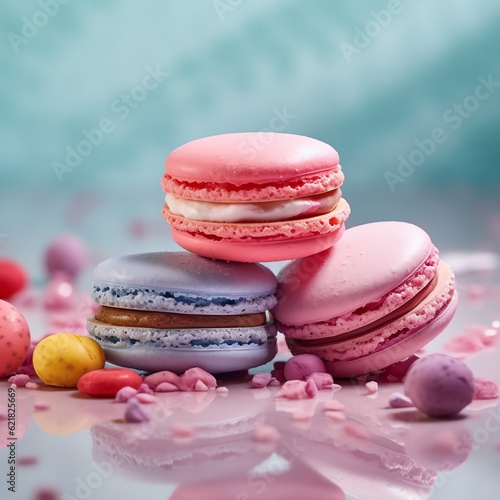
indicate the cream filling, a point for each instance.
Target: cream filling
{"x":254,"y":212}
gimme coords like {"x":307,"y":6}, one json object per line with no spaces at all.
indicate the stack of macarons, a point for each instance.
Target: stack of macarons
{"x":360,"y":300}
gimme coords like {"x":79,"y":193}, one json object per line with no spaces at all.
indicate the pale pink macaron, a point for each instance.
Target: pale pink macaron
{"x":254,"y":197}
{"x":375,"y":298}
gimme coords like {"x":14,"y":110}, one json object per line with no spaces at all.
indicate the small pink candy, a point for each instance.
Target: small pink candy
{"x":59,"y":295}
{"x":19,"y":380}
{"x":41,"y":406}
{"x":181,"y":431}
{"x":146,"y":398}
{"x":124,"y":394}
{"x":67,"y":254}
{"x":274,"y":382}
{"x":145,"y":389}
{"x":333,"y":405}
{"x":322,"y":380}
{"x":398,"y":400}
{"x":301,"y":366}
{"x":293,"y":389}
{"x":154,"y":380}
{"x":135,"y":413}
{"x":27,"y":460}
{"x":46,"y":493}
{"x":222,"y":390}
{"x":166,"y":387}
{"x":371,"y":387}
{"x":31,"y":385}
{"x":336,"y":387}
{"x":265,"y":433}
{"x":311,"y":388}
{"x":189,"y":379}
{"x":200,"y":386}
{"x":261,"y":380}
{"x":485,"y":389}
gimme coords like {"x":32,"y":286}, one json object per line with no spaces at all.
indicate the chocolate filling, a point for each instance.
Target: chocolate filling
{"x":161,"y":320}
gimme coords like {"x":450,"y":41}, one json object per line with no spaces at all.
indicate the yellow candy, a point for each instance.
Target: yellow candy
{"x":61,"y":359}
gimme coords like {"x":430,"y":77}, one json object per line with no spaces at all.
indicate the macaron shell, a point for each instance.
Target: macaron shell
{"x":258,"y":251}
{"x":252,"y":157}
{"x":367,"y":263}
{"x":397,"y":351}
{"x":153,"y":359}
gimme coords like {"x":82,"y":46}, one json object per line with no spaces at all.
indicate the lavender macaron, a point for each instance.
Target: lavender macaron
{"x":175,"y":310}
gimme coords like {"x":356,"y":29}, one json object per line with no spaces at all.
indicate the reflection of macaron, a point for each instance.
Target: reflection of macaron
{"x":234,"y":197}
{"x":174,"y":311}
{"x":375,"y":298}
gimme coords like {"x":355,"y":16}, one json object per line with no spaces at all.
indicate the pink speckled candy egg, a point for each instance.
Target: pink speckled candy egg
{"x":68,"y":255}
{"x":439,"y":385}
{"x":15,"y":339}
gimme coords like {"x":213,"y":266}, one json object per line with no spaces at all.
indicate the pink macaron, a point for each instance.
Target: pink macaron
{"x":251,"y":197}
{"x":375,"y":298}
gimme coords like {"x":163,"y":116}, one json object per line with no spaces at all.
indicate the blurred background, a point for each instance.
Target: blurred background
{"x":95,"y":95}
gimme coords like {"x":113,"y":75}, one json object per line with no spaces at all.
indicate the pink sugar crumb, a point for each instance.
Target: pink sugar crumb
{"x":293,"y":389}
{"x":371,"y":387}
{"x":200,"y":386}
{"x":322,"y":380}
{"x":266,"y":433}
{"x":261,"y":380}
{"x":146,"y":398}
{"x":447,"y":442}
{"x":135,"y":413}
{"x":181,"y":431}
{"x":333,"y":405}
{"x":398,"y":400}
{"x":222,"y":390}
{"x":19,"y":380}
{"x":27,"y":461}
{"x":46,"y":493}
{"x":41,"y":406}
{"x":475,"y":339}
{"x":124,"y":394}
{"x":31,"y":385}
{"x":311,"y":388}
{"x":274,"y":382}
{"x":166,"y":387}
{"x":336,"y":387}
{"x":336,"y":416}
{"x":485,"y":389}
{"x":155,"y":379}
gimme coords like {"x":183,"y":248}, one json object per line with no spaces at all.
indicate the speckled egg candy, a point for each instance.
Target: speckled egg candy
{"x":62,"y":359}
{"x":15,"y":339}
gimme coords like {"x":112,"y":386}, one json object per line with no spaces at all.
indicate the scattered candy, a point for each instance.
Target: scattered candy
{"x":145,"y":389}
{"x":13,"y":278}
{"x":135,"y":412}
{"x":333,"y":405}
{"x":154,"y":380}
{"x":398,"y":400}
{"x":14,"y":338}
{"x":181,"y":431}
{"x":265,"y":433}
{"x":31,"y":385}
{"x":476,"y":339}
{"x":66,"y":254}
{"x":19,"y":380}
{"x":439,"y":385}
{"x":260,"y":380}
{"x":61,"y":359}
{"x":311,"y":388}
{"x":60,"y":294}
{"x":222,"y":390}
{"x":301,"y":366}
{"x":485,"y":389}
{"x":322,"y":380}
{"x":371,"y":387}
{"x":274,"y":382}
{"x":336,"y":387}
{"x":106,"y":382}
{"x":166,"y":387}
{"x":124,"y":394}
{"x":190,"y":378}
{"x":293,"y":389}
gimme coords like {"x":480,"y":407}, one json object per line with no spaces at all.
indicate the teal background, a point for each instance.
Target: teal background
{"x":230,"y":65}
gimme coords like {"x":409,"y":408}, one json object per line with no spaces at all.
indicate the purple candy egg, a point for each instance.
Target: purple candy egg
{"x":67,"y":255}
{"x":439,"y":385}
